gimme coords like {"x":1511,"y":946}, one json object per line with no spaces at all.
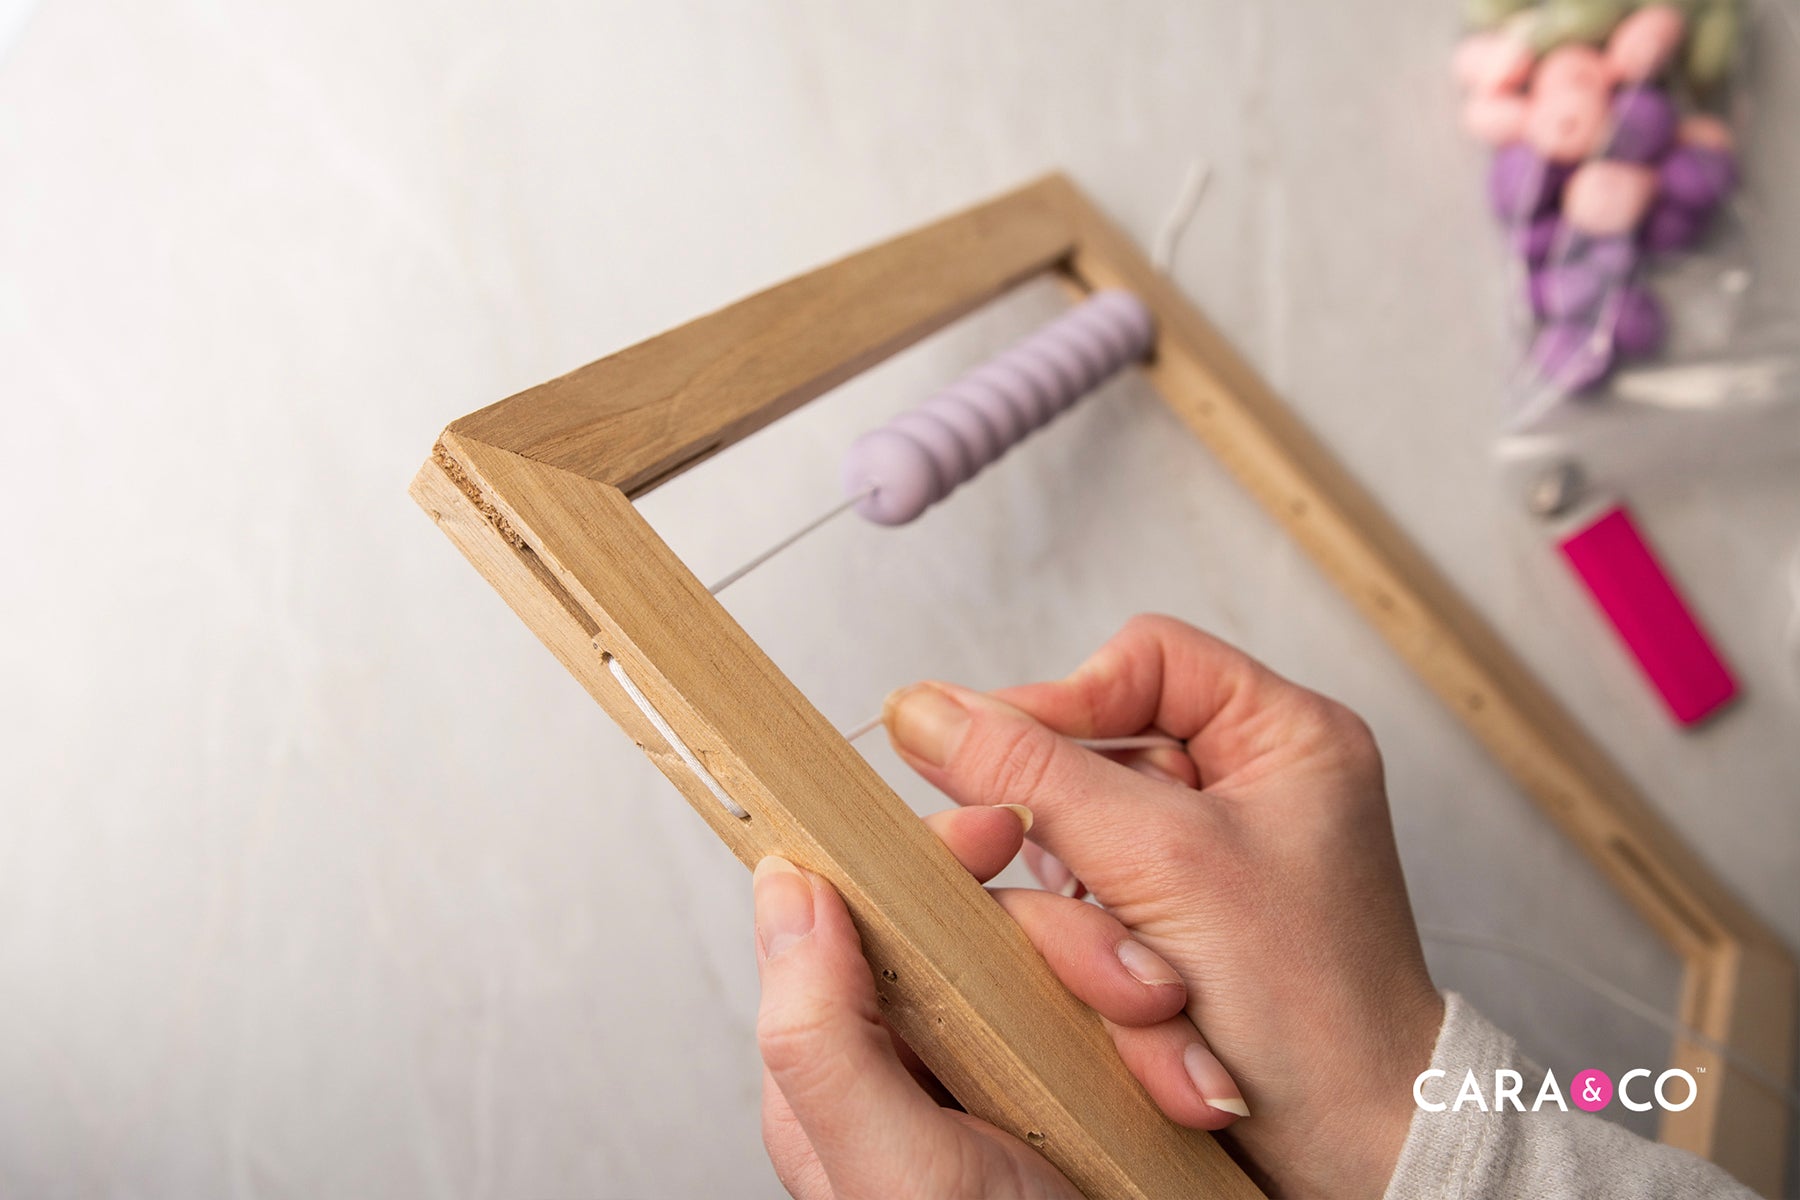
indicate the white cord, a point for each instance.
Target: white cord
{"x":843,"y":506}
{"x":850,"y":735}
{"x":1615,"y":995}
{"x":674,"y":739}
{"x":1599,"y":986}
{"x":1187,"y":202}
{"x":1149,"y":741}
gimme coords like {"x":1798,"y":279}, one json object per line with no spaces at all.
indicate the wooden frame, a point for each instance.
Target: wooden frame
{"x":537,"y":492}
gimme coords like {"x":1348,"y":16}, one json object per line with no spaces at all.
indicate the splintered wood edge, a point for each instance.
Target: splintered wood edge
{"x":645,"y":414}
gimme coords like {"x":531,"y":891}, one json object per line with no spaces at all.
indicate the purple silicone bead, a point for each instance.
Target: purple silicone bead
{"x":1568,"y":357}
{"x":1067,"y":363}
{"x":1566,"y":291}
{"x":981,"y":441}
{"x":1009,"y":419}
{"x":1532,"y":242}
{"x":1051,"y":384}
{"x":1638,"y":324}
{"x":1671,"y":226}
{"x":1097,"y":346}
{"x":1522,"y":183}
{"x":1028,"y":389}
{"x":950,"y":457}
{"x":922,"y":456}
{"x":1056,"y":380}
{"x":1698,"y":177}
{"x":1122,"y":316}
{"x":1612,"y":258}
{"x":1644,"y":123}
{"x":901,"y":471}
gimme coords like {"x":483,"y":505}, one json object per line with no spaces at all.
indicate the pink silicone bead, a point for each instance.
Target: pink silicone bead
{"x":1645,"y":42}
{"x":1607,"y":198}
{"x":1570,"y":104}
{"x":1566,"y":124}
{"x":1495,"y":118}
{"x":1492,"y":62}
{"x":1573,"y":68}
{"x":1709,"y":132}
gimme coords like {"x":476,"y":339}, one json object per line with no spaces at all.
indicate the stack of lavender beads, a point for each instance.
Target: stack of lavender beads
{"x":1603,"y":156}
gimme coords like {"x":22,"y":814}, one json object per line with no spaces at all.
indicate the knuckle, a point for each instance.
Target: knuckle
{"x":1313,"y":714}
{"x":1152,"y":623}
{"x":1017,"y":760}
{"x":1343,"y":734}
{"x":1170,"y":853}
{"x":1161,"y":626}
{"x":1353,"y":736}
{"x":1152,"y":629}
{"x":789,"y":1037}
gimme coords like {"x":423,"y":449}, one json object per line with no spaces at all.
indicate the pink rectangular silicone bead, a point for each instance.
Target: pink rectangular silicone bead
{"x":1631,"y":587}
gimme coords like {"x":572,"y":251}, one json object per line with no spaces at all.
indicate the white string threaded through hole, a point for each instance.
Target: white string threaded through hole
{"x":674,"y":739}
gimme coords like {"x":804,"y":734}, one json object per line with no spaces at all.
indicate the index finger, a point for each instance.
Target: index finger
{"x":1161,"y":673}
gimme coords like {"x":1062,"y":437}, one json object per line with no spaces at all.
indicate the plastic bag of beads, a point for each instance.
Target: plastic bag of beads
{"x":1658,"y":316}
{"x":1652,"y":339}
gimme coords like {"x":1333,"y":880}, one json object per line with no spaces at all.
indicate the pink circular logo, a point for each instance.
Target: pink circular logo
{"x":1591,"y":1090}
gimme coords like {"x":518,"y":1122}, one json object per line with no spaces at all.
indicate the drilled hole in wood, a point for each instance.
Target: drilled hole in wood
{"x":890,"y":975}
{"x":1034,"y":1137}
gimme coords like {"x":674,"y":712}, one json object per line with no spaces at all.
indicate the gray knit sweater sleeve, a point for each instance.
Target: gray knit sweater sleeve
{"x":1548,"y":1155}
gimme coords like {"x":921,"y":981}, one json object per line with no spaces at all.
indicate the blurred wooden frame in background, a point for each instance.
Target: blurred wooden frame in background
{"x":537,"y":492}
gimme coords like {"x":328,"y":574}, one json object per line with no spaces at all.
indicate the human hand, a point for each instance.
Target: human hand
{"x":849,"y":1112}
{"x":1259,"y":862}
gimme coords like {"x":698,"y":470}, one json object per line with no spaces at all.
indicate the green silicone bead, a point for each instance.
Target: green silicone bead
{"x":1563,"y":21}
{"x":1712,"y":44}
{"x":1485,"y":14}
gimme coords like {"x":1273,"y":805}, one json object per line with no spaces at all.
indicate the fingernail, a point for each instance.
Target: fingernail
{"x":925,"y":722}
{"x":1148,"y":765}
{"x":1053,"y":875}
{"x":1023,"y":813}
{"x":784,"y":905}
{"x":1213,"y":1081}
{"x":1146,"y":965}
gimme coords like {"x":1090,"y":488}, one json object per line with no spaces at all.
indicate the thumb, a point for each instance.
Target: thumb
{"x":822,"y":1039}
{"x":1094,"y":814}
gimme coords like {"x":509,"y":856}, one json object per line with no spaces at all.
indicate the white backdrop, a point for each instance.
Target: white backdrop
{"x":318,"y":877}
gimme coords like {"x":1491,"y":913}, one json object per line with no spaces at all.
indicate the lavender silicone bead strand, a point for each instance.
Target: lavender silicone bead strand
{"x":923,"y":455}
